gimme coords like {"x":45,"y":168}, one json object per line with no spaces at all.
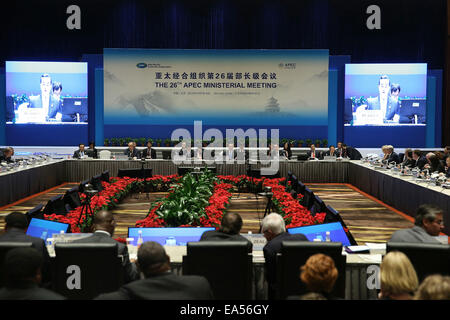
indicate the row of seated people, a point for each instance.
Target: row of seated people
{"x":154,"y":264}
{"x":230,"y":153}
{"x":398,"y":279}
{"x":433,"y":161}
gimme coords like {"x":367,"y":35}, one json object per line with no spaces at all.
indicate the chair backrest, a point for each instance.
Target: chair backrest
{"x":308,"y":198}
{"x":333,"y":216}
{"x":318,"y":205}
{"x":426,"y":258}
{"x":82,"y":184}
{"x":56,"y":205}
{"x":104,"y":154}
{"x":294,"y":255}
{"x":4,"y":248}
{"x":36,"y":212}
{"x":301,"y":188}
{"x":85,"y":270}
{"x":72,"y":198}
{"x":226,"y":264}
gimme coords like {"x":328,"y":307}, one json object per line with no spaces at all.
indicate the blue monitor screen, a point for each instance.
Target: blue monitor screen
{"x":168,"y":236}
{"x":44,"y":228}
{"x":385,"y":94}
{"x":46,"y":92}
{"x":318,"y":231}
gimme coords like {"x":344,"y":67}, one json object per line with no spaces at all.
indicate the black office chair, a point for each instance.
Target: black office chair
{"x":56,"y":205}
{"x":426,"y":258}
{"x":318,"y":205}
{"x":72,"y":198}
{"x":226,"y":264}
{"x":36,"y":212}
{"x":308,"y":198}
{"x":85,"y":270}
{"x":4,"y":248}
{"x":96,"y":182}
{"x":301,"y":188}
{"x":294,"y":255}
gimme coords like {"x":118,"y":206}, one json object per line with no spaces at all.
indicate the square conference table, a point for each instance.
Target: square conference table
{"x":401,"y":192}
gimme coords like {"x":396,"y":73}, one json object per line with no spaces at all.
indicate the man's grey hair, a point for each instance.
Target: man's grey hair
{"x":427,"y":212}
{"x":273,"y":222}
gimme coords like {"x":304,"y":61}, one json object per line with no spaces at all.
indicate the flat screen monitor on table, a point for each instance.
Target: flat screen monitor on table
{"x":44,"y":229}
{"x":318,"y":231}
{"x":168,"y":236}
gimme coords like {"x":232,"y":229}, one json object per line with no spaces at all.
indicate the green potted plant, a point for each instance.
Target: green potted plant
{"x":283,"y":141}
{"x":142,"y":141}
{"x":167,"y":142}
{"x":317,"y":143}
{"x":122,"y":142}
{"x":128,"y":140}
{"x":114,"y":141}
{"x":158,"y":142}
{"x":106,"y":142}
{"x":300,"y":143}
{"x":308,"y":142}
{"x":324,"y":143}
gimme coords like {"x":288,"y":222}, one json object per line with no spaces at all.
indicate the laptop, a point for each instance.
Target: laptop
{"x":44,"y":229}
{"x":168,"y":236}
{"x":329,"y":158}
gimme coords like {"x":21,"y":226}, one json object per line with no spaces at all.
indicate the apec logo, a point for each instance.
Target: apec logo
{"x":141,"y":65}
{"x":291,"y":65}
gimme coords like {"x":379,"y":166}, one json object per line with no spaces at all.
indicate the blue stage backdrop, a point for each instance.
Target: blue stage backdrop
{"x":222,"y":88}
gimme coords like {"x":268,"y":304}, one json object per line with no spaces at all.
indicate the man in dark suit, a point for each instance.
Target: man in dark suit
{"x":149,"y":153}
{"x":391,"y":156}
{"x":242,"y":155}
{"x":384,"y":102}
{"x":22,"y":271}
{"x":229,"y":230}
{"x":159,"y":282}
{"x":16,"y":225}
{"x":6,"y":154}
{"x":331,"y":152}
{"x":420,"y":160}
{"x":274,"y":230}
{"x":92,"y":151}
{"x":104,"y":226}
{"x":131,"y":151}
{"x":313,"y":154}
{"x":428,"y":224}
{"x":80,"y":153}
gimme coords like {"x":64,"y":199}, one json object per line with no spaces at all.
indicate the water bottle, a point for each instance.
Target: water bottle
{"x":140,"y":239}
{"x":61,"y":236}
{"x":327,"y":236}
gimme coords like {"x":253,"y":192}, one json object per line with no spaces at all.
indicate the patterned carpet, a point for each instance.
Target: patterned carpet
{"x":367,"y":218}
